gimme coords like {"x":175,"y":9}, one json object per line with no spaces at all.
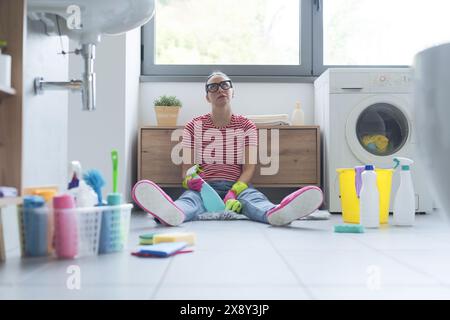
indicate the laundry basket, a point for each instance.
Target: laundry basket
{"x":350,"y":199}
{"x":82,"y":232}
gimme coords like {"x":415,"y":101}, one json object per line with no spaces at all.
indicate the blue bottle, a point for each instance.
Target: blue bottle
{"x":35,"y":224}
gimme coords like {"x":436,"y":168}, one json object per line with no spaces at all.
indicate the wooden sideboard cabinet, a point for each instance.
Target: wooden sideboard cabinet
{"x":299,"y":157}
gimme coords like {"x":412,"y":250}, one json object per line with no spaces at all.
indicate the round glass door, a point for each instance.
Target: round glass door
{"x":382,"y":129}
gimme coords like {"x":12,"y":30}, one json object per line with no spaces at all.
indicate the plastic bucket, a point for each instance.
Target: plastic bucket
{"x":349,"y":197}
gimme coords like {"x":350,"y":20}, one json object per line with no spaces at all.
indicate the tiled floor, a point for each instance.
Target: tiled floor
{"x":248,"y":260}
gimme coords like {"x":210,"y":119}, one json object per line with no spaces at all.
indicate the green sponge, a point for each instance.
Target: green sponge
{"x":349,"y":228}
{"x":146,"y":239}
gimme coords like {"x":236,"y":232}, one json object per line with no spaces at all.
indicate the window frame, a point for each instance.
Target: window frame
{"x":311,"y":42}
{"x":282,"y":72}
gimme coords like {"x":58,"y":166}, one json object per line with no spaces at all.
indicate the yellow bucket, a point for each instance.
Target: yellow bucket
{"x":350,"y":200}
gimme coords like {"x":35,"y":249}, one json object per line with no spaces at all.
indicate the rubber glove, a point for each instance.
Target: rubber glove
{"x":230,"y":199}
{"x":191,"y":183}
{"x":235,"y":191}
{"x":233,"y":205}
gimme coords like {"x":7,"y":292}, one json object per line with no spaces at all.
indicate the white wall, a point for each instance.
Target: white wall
{"x":44,"y":139}
{"x":133,"y":71}
{"x":113,"y":125}
{"x":250,"y":98}
{"x":44,"y":116}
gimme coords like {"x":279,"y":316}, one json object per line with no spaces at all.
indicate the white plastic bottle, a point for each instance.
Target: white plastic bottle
{"x":405,"y":200}
{"x":369,"y":199}
{"x":298,"y":116}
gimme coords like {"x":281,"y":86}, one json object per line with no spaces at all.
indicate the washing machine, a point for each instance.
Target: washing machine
{"x":366,"y":117}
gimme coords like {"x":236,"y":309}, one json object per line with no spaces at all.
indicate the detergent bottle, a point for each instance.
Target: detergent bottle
{"x":298,"y":116}
{"x":404,"y":203}
{"x":369,"y":199}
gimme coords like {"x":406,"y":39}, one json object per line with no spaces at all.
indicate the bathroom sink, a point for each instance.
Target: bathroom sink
{"x":86,"y":21}
{"x":96,"y":17}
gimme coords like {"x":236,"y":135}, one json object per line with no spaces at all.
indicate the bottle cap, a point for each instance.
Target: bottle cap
{"x":65,"y":201}
{"x":369,"y":167}
{"x":33,"y":202}
{"x":46,"y":194}
{"x":114,"y":199}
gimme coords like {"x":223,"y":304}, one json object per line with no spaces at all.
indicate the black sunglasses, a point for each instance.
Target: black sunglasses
{"x":213,"y":87}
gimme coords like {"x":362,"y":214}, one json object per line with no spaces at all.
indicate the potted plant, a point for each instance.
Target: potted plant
{"x":167,"y":109}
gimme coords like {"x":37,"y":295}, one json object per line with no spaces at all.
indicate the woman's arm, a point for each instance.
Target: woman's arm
{"x":248,"y":169}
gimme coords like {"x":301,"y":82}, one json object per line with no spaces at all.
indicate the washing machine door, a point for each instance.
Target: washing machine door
{"x":378,"y":129}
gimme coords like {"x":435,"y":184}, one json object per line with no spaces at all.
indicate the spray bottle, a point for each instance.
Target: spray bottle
{"x":404,"y":203}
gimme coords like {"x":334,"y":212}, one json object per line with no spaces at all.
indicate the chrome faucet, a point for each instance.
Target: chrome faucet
{"x":86,"y":85}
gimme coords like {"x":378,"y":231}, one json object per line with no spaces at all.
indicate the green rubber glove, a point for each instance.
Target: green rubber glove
{"x":238,"y":187}
{"x":189,"y":177}
{"x":233,"y":205}
{"x":185,"y":180}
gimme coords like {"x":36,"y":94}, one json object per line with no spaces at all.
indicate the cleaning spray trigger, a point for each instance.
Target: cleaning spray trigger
{"x":405,"y":163}
{"x":193,"y":171}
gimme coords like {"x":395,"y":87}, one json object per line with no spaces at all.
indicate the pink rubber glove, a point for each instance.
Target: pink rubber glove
{"x":194,"y":184}
{"x":230,"y":195}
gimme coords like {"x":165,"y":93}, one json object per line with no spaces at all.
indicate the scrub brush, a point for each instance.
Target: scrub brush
{"x":95,"y":179}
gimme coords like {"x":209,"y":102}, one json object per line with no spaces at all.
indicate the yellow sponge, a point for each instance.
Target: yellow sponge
{"x":188,"y":237}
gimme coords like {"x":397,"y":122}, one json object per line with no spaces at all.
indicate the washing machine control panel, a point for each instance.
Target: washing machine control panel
{"x":391,"y":82}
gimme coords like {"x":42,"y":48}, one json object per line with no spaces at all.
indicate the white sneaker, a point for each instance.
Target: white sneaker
{"x":151,"y":198}
{"x":298,"y":204}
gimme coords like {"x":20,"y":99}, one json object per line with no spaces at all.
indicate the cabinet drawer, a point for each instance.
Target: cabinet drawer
{"x":156,"y":163}
{"x":298,"y":162}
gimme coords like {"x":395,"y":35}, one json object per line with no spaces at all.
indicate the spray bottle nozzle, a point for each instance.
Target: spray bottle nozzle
{"x":397,"y":163}
{"x":404,"y":162}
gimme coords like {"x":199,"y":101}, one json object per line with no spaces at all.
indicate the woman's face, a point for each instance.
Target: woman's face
{"x":221,"y":97}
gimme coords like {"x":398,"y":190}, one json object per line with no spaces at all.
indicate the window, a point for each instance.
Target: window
{"x":381,"y":32}
{"x":288,"y":37}
{"x":251,"y":37}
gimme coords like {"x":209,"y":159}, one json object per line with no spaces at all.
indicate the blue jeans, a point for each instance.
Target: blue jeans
{"x":254,"y":203}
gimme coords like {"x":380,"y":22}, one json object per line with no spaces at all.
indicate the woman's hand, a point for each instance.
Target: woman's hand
{"x":230,"y":199}
{"x":191,"y":183}
{"x":233,"y":205}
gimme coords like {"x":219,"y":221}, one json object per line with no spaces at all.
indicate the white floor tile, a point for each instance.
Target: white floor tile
{"x":85,"y":292}
{"x":239,"y":268}
{"x":353,"y":268}
{"x":381,"y":293}
{"x":432,"y":262}
{"x":233,"y":292}
{"x":250,"y":260}
{"x":110,"y":269}
{"x":15,"y":269}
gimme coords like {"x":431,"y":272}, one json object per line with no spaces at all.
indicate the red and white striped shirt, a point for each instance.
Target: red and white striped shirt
{"x":220,"y":151}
